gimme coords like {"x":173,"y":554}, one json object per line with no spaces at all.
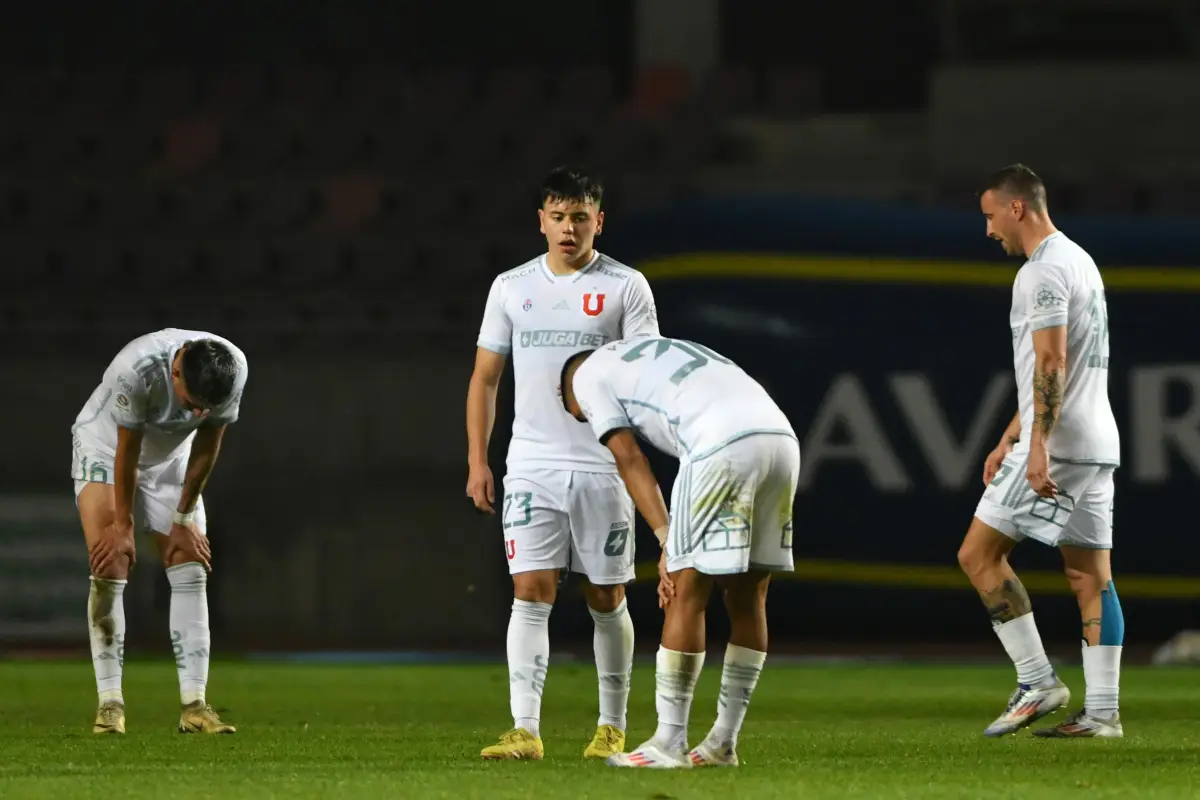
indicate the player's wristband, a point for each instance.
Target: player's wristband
{"x":661,"y":535}
{"x":179,"y":518}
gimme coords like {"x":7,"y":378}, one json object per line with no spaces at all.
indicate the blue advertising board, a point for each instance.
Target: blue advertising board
{"x":898,"y":385}
{"x":883,"y":334}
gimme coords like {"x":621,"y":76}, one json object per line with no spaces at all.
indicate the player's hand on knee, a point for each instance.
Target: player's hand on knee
{"x":666,"y":588}
{"x":114,"y":552}
{"x":481,"y":488}
{"x":187,"y":541}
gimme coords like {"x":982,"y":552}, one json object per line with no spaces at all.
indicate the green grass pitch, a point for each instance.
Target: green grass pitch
{"x":869,"y":731}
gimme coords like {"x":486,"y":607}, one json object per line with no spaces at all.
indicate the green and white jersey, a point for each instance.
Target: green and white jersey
{"x":540,"y":319}
{"x":136,"y":392}
{"x":683,"y":398}
{"x":1061,"y":285}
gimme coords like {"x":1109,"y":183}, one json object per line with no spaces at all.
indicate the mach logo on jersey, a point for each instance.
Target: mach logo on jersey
{"x":562,"y":338}
{"x":587,"y":304}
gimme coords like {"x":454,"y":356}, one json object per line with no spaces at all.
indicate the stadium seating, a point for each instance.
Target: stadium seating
{"x":259,"y":186}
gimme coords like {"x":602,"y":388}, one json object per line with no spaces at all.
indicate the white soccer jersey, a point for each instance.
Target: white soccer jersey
{"x":1060,"y":285}
{"x":136,"y":393}
{"x":542,"y":318}
{"x":680,"y":396}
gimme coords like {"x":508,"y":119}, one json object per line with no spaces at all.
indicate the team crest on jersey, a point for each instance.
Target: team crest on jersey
{"x":593,"y":305}
{"x":528,"y":304}
{"x":122,"y":401}
{"x":1047,"y":297}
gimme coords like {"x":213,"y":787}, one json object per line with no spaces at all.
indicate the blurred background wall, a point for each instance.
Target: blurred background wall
{"x":333,"y":189}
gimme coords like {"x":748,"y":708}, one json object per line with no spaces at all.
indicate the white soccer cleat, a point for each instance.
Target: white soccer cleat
{"x":1027,"y":705}
{"x":710,"y":754}
{"x":651,"y":755}
{"x":1082,"y":725}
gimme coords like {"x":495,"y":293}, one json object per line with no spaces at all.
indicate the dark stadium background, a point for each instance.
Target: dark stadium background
{"x":333,"y":187}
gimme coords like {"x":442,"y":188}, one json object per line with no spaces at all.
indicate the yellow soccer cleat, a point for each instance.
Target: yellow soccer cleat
{"x":516,"y":745}
{"x":110,"y":718}
{"x":199,"y":717}
{"x":608,"y":741}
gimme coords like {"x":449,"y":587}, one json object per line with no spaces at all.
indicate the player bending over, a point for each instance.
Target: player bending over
{"x":144,"y":445}
{"x":730,"y":521}
{"x":1051,"y":476}
{"x":564,"y":504}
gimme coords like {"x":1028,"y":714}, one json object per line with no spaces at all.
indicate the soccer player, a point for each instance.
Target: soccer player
{"x":145,"y":444}
{"x":564,"y":505}
{"x":1051,"y":477}
{"x":730,"y":522}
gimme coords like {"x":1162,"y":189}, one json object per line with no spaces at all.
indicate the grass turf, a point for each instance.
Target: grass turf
{"x":413,"y":732}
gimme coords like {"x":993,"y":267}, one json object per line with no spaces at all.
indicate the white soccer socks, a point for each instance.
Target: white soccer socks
{"x":191,"y":640}
{"x":613,"y":643}
{"x":738,"y":679}
{"x":1023,"y":644}
{"x":528,"y":659}
{"x":1102,"y":676}
{"x":675,"y":676}
{"x":106,"y":627}
{"x":1102,"y":663}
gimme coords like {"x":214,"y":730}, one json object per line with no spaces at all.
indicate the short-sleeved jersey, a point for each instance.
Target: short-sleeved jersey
{"x":682,"y":397}
{"x":542,"y":318}
{"x":1061,"y":285}
{"x":136,"y":392}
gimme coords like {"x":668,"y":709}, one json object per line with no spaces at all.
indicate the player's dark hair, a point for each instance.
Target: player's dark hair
{"x":566,"y":367}
{"x":571,"y":184}
{"x":209,"y":371}
{"x":1020,"y":181}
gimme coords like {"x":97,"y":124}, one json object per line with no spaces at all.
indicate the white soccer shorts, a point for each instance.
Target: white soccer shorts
{"x":578,"y":521}
{"x":731,"y":512}
{"x":158,"y":492}
{"x":1081,"y":515}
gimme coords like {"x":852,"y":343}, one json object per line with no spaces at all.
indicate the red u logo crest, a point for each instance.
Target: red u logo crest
{"x":510,"y":548}
{"x":587,"y":305}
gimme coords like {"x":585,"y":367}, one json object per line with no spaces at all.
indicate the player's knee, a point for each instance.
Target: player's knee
{"x":117,"y":570}
{"x":1085,"y":583}
{"x":983,"y":548}
{"x":604,"y":599}
{"x":175,"y":557}
{"x":1088,"y":571}
{"x":538,"y":586}
{"x":692,"y":590}
{"x":970,"y":560}
{"x":975,"y":557}
{"x":746,"y":595}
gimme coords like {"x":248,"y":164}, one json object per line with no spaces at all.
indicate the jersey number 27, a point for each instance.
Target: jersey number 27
{"x":700,"y":355}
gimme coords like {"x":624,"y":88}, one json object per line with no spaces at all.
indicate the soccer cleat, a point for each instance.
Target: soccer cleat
{"x":650,"y":755}
{"x":708,"y":754}
{"x":199,"y":717}
{"x":1027,"y":705}
{"x":516,"y":745}
{"x":110,"y":718}
{"x":1082,"y":725}
{"x":608,"y":741}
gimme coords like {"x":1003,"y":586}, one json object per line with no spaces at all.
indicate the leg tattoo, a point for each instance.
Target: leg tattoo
{"x":1007,"y":602}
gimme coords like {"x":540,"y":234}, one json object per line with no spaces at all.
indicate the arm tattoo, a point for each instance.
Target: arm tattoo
{"x":1048,"y":388}
{"x":1006,"y":602}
